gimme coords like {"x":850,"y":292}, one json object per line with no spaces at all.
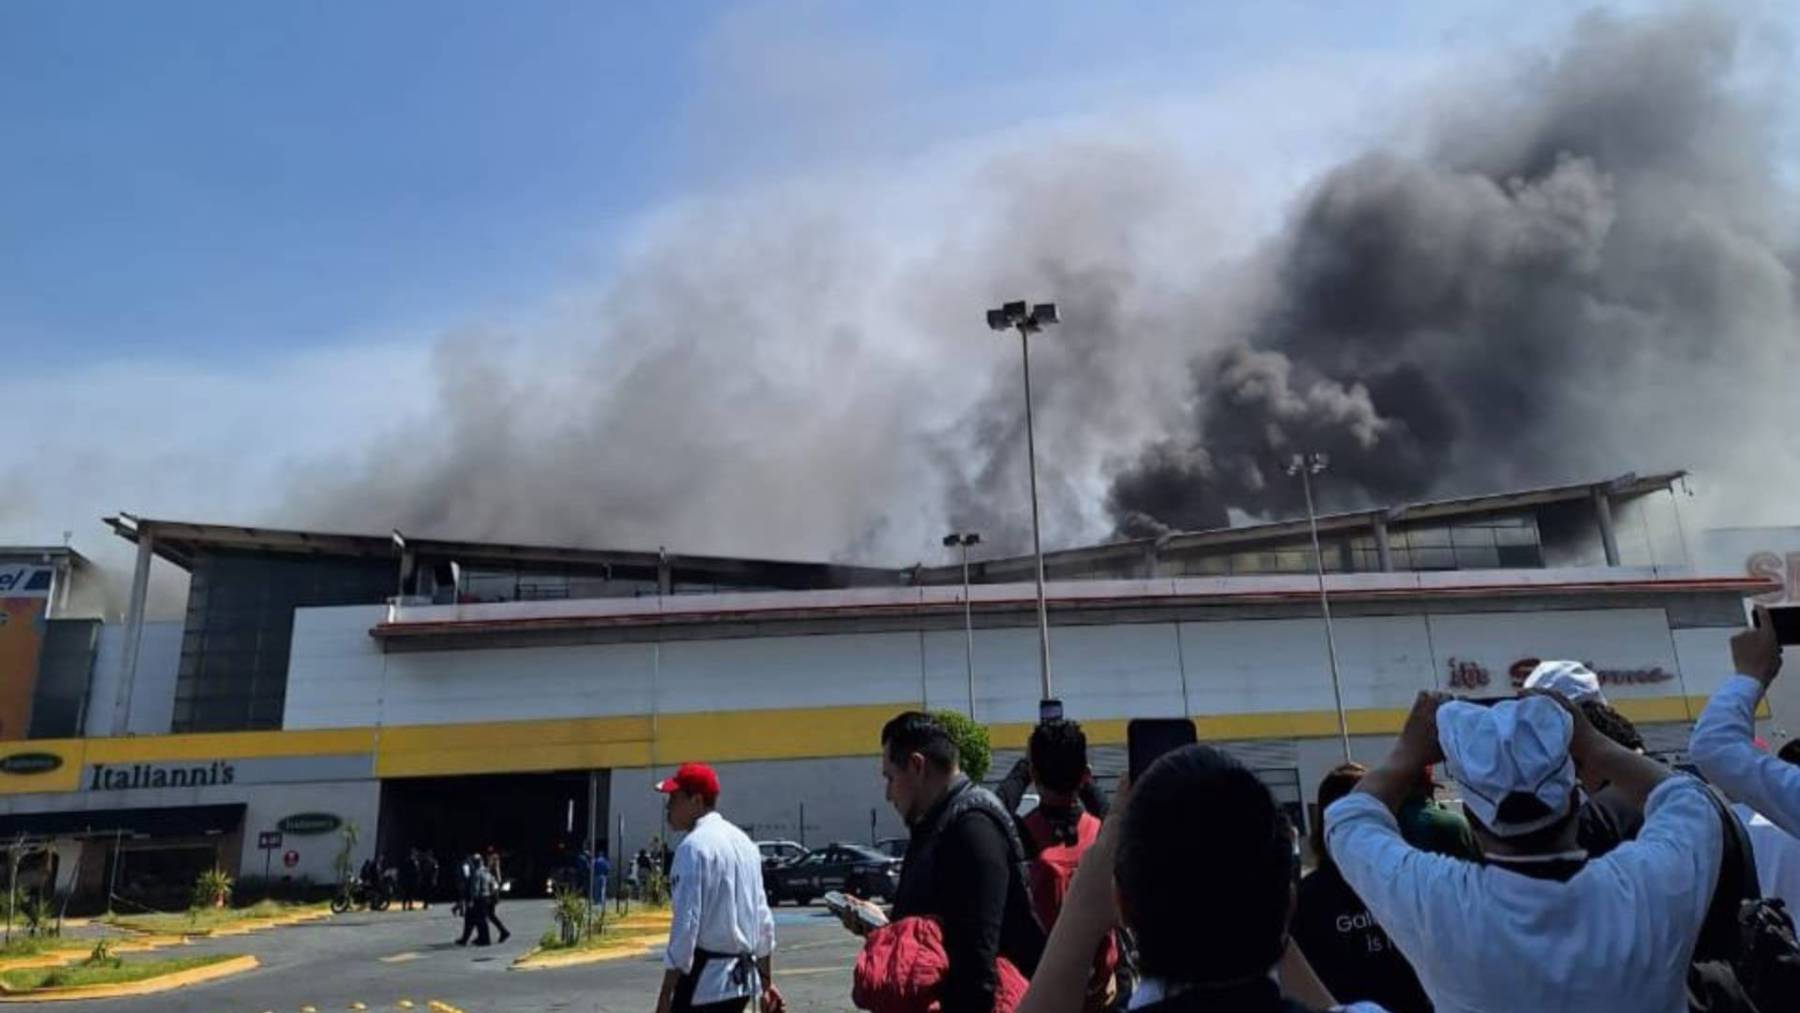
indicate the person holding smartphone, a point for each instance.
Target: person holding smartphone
{"x":1723,"y":746}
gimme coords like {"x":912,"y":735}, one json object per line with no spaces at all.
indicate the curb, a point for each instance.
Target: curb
{"x":149,"y":986}
{"x":264,"y":924}
{"x":243,"y":929}
{"x":49,"y":958}
{"x":537,"y":960}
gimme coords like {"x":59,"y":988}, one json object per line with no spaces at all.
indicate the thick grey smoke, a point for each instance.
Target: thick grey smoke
{"x":1582,"y":269}
{"x":806,"y":373}
{"x":1586,"y":270}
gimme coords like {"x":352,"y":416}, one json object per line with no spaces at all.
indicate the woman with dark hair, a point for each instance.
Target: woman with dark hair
{"x":1201,"y":863}
{"x":1347,"y":949}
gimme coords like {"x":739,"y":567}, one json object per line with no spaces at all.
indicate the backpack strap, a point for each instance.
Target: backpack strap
{"x":1720,"y":937}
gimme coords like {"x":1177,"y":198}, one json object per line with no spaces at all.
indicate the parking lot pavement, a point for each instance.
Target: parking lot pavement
{"x":380,"y":960}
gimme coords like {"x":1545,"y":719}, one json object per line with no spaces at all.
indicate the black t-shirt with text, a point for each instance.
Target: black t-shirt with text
{"x":1349,"y":950}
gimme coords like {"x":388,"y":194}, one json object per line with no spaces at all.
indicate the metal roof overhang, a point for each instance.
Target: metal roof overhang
{"x":171,"y":821}
{"x":517,"y":622}
{"x":181,"y":542}
{"x":1625,"y":487}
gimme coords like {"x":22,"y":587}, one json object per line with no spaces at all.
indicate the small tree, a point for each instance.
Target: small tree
{"x":212,"y":888}
{"x":342,"y":864}
{"x":971,"y":742}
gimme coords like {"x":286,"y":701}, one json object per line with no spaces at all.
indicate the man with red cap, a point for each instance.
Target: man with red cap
{"x":723,"y":934}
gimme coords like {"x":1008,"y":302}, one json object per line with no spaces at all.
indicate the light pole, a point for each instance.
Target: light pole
{"x":1306,"y":466}
{"x":1029,"y":321}
{"x":964,"y":539}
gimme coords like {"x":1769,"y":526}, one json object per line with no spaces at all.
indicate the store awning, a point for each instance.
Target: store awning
{"x":174,"y":821}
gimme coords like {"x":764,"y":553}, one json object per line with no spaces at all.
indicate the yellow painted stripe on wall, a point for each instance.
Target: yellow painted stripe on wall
{"x":1324,"y":724}
{"x":787,"y":734}
{"x":494,"y":747}
{"x":231,"y":745}
{"x":625,"y":742}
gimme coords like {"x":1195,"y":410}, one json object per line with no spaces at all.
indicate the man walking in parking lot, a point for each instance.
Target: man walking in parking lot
{"x":723,"y":936}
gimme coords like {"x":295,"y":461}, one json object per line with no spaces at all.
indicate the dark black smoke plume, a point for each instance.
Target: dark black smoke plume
{"x":1584,"y":271}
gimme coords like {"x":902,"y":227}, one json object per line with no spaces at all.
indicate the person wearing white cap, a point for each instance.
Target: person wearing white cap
{"x":1571,"y":680}
{"x":1724,"y":747}
{"x":1608,"y":818}
{"x":1539,"y":926}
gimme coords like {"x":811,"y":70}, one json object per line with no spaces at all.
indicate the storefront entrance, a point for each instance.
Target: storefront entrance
{"x":537,"y":822}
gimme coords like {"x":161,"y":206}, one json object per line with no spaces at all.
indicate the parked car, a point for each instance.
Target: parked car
{"x":893,"y":847}
{"x":851,"y":868}
{"x":780,"y":852}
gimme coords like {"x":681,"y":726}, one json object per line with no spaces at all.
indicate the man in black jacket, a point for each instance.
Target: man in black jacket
{"x":964,"y":864}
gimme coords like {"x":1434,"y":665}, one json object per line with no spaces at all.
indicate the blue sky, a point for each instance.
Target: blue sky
{"x":216,"y":179}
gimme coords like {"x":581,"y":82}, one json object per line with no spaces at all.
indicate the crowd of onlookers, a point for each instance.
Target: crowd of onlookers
{"x":1580,"y":873}
{"x":1570,"y":871}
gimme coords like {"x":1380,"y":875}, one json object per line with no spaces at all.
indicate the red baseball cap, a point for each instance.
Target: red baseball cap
{"x":693,"y":778}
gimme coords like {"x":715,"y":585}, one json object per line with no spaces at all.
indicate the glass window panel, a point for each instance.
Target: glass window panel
{"x":1433,"y":559}
{"x":1520,"y":556}
{"x":1477,"y":557}
{"x":1515,"y":536}
{"x":1473,"y":537}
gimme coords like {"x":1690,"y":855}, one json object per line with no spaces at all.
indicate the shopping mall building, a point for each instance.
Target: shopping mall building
{"x":455,"y":695}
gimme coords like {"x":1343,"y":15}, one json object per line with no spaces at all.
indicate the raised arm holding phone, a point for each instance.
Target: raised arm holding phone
{"x":1723,"y":746}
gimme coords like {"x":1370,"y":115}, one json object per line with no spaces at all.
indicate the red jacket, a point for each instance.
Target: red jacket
{"x":901,"y":965}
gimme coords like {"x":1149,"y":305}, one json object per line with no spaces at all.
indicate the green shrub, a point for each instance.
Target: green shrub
{"x":656,"y":889}
{"x":573,"y":913}
{"x":101,"y":955}
{"x":971,"y":742}
{"x":40,"y":917}
{"x":212,"y":888}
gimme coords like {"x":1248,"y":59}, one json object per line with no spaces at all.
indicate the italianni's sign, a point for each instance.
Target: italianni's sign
{"x":160,"y":775}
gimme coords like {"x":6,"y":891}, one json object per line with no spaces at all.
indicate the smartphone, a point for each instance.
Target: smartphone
{"x":1049,"y":710}
{"x":1148,"y":738}
{"x":1784,"y":619}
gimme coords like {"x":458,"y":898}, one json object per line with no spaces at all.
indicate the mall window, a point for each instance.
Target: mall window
{"x":240,"y":624}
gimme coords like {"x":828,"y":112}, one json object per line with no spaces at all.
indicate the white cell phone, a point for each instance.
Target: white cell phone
{"x":868,"y":914}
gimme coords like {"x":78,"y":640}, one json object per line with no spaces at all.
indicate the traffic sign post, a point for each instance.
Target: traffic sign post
{"x":268,"y":841}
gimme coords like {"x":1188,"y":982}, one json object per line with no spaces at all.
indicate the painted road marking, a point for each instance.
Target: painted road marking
{"x":400,"y":958}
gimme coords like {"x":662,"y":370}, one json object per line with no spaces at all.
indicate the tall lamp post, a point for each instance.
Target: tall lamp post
{"x":1029,"y":320}
{"x":964,"y":539}
{"x":1306,"y":466}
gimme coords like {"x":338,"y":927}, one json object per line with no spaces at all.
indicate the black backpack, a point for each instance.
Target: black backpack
{"x":1747,"y":957}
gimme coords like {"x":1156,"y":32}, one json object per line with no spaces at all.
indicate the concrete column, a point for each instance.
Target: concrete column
{"x":1151,"y":562}
{"x":67,"y":573}
{"x":134,"y":633}
{"x":1384,"y":552}
{"x":1609,"y":539}
{"x":665,"y":577}
{"x":58,"y":589}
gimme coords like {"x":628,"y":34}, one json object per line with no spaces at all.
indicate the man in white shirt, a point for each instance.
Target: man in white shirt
{"x":1723,"y":745}
{"x":1537,"y":926}
{"x":723,"y":935}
